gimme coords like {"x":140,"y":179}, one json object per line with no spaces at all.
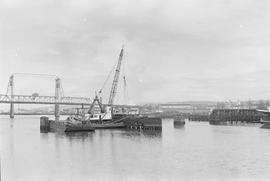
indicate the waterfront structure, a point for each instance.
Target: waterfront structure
{"x":234,"y":116}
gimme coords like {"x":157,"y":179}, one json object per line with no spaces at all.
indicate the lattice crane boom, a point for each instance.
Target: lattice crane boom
{"x":116,"y":78}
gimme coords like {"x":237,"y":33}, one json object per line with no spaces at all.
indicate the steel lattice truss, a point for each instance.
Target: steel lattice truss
{"x":28,"y":99}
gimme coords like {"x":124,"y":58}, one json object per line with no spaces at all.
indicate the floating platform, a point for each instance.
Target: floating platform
{"x":47,"y":125}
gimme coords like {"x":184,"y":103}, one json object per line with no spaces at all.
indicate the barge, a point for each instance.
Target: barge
{"x":130,"y":122}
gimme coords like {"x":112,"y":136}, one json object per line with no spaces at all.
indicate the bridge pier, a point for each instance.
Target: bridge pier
{"x":57,"y":112}
{"x":11,"y":84}
{"x":57,"y":99}
{"x":11,"y":111}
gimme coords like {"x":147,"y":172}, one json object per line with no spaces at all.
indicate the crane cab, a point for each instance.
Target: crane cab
{"x":99,"y":116}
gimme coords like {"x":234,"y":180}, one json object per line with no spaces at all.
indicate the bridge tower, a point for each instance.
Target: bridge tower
{"x":57,"y":98}
{"x":11,"y":85}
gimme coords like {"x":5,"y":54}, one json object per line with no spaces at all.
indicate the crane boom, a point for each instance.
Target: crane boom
{"x":93,"y":104}
{"x":116,"y":78}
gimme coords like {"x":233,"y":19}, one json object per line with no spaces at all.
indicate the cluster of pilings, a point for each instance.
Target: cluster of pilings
{"x":234,"y":116}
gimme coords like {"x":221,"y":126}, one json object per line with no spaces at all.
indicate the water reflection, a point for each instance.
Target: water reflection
{"x":152,"y":133}
{"x":104,"y":133}
{"x":182,"y":126}
{"x":144,"y":133}
{"x":44,"y":131}
{"x":175,"y":153}
{"x":77,"y":135}
{"x":11,"y":122}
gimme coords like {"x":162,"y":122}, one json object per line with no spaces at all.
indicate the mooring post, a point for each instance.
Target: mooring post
{"x":11,"y":84}
{"x":57,"y":99}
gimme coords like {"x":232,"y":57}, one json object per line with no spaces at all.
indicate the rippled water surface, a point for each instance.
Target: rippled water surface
{"x":197,"y":151}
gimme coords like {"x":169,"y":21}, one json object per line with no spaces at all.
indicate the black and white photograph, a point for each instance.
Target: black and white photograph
{"x":125,"y":90}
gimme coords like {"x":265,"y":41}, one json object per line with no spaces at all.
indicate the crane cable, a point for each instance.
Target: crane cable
{"x":62,"y":91}
{"x":125,"y":84}
{"x":107,"y":78}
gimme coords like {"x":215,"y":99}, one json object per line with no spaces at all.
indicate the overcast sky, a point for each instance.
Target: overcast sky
{"x":174,"y":50}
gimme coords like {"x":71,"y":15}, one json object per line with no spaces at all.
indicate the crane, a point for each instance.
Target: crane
{"x":113,"y":89}
{"x":116,"y":78}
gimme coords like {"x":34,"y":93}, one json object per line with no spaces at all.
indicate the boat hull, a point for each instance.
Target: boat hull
{"x":47,"y":125}
{"x":67,"y":127}
{"x":108,"y":125}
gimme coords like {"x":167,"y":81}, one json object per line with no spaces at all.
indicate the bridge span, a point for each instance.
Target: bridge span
{"x":30,"y":99}
{"x":59,"y":99}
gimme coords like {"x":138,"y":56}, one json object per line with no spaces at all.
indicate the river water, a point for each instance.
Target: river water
{"x":197,"y":151}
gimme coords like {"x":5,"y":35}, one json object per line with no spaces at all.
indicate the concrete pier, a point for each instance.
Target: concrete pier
{"x":11,"y":111}
{"x":57,"y":99}
{"x":11,"y":85}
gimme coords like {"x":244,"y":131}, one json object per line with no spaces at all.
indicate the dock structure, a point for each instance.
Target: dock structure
{"x":198,"y":117}
{"x":234,"y":116}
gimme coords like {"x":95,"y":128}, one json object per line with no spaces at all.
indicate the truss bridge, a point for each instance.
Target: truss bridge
{"x":29,"y":99}
{"x":59,"y":99}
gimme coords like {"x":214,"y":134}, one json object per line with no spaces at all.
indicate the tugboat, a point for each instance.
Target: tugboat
{"x":105,"y":117}
{"x":71,"y":124}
